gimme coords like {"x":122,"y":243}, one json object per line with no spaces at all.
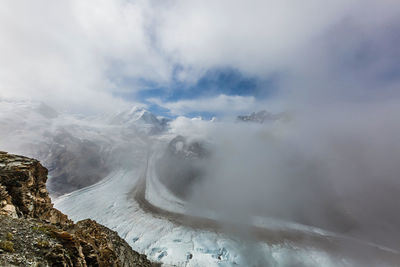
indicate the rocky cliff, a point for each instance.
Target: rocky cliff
{"x":33,"y":233}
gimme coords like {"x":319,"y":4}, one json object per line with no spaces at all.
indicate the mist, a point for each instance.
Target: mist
{"x":333,"y":67}
{"x":336,"y":169}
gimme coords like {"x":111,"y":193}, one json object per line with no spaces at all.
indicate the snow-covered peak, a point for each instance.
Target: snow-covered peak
{"x":133,"y":115}
{"x":262,"y":116}
{"x":139,"y":117}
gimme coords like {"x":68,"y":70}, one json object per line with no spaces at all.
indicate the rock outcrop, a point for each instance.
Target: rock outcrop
{"x":33,"y":233}
{"x":23,"y":190}
{"x":189,"y":160}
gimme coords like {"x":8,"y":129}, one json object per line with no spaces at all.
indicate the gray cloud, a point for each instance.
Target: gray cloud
{"x":221,"y":105}
{"x":75,"y":54}
{"x":335,"y":169}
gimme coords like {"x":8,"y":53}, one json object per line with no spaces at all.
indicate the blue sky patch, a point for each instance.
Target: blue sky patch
{"x":214,"y":82}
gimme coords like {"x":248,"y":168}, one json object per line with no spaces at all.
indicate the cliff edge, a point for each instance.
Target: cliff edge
{"x":34,"y":233}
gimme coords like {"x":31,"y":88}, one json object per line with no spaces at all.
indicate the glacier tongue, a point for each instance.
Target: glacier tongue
{"x":110,"y":203}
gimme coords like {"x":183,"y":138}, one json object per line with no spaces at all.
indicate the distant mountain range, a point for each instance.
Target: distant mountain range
{"x":262,"y":116}
{"x":78,"y":151}
{"x":137,"y":116}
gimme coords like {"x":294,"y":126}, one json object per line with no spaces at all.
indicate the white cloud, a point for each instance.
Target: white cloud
{"x":71,"y":53}
{"x":259,"y":36}
{"x":74,"y":54}
{"x":221,"y":104}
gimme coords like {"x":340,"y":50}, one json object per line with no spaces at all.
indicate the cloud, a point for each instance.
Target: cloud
{"x":73,"y":53}
{"x":221,"y":105}
{"x":336,"y":169}
{"x":77,"y":54}
{"x":258,"y":36}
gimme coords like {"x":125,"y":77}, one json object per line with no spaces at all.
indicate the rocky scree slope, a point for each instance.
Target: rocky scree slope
{"x":33,"y":233}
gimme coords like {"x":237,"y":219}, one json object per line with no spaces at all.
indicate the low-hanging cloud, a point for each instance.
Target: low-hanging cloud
{"x":339,"y":173}
{"x":221,"y":105}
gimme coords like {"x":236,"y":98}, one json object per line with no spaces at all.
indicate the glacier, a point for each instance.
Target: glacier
{"x":129,"y":198}
{"x":111,"y":202}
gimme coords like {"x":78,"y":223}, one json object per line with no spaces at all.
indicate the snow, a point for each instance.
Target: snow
{"x":110,"y":202}
{"x":139,"y":118}
{"x":159,"y":195}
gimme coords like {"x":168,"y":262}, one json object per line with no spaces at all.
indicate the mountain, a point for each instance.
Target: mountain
{"x":74,"y":149}
{"x":78,"y":151}
{"x":140,"y":118}
{"x":153,"y":189}
{"x":33,"y":233}
{"x":262,"y":116}
{"x":189,"y":159}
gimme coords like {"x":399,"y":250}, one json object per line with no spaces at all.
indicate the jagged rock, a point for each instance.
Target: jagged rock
{"x":33,"y":233}
{"x":73,"y":162}
{"x":24,"y":180}
{"x":110,"y":246}
{"x":188,"y":158}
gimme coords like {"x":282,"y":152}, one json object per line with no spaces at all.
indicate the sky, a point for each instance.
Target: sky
{"x":210,"y":58}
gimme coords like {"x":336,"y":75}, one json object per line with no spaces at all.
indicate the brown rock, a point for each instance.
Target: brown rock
{"x":43,"y":236}
{"x":24,"y":180}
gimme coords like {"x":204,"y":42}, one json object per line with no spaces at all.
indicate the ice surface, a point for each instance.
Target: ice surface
{"x":110,"y":202}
